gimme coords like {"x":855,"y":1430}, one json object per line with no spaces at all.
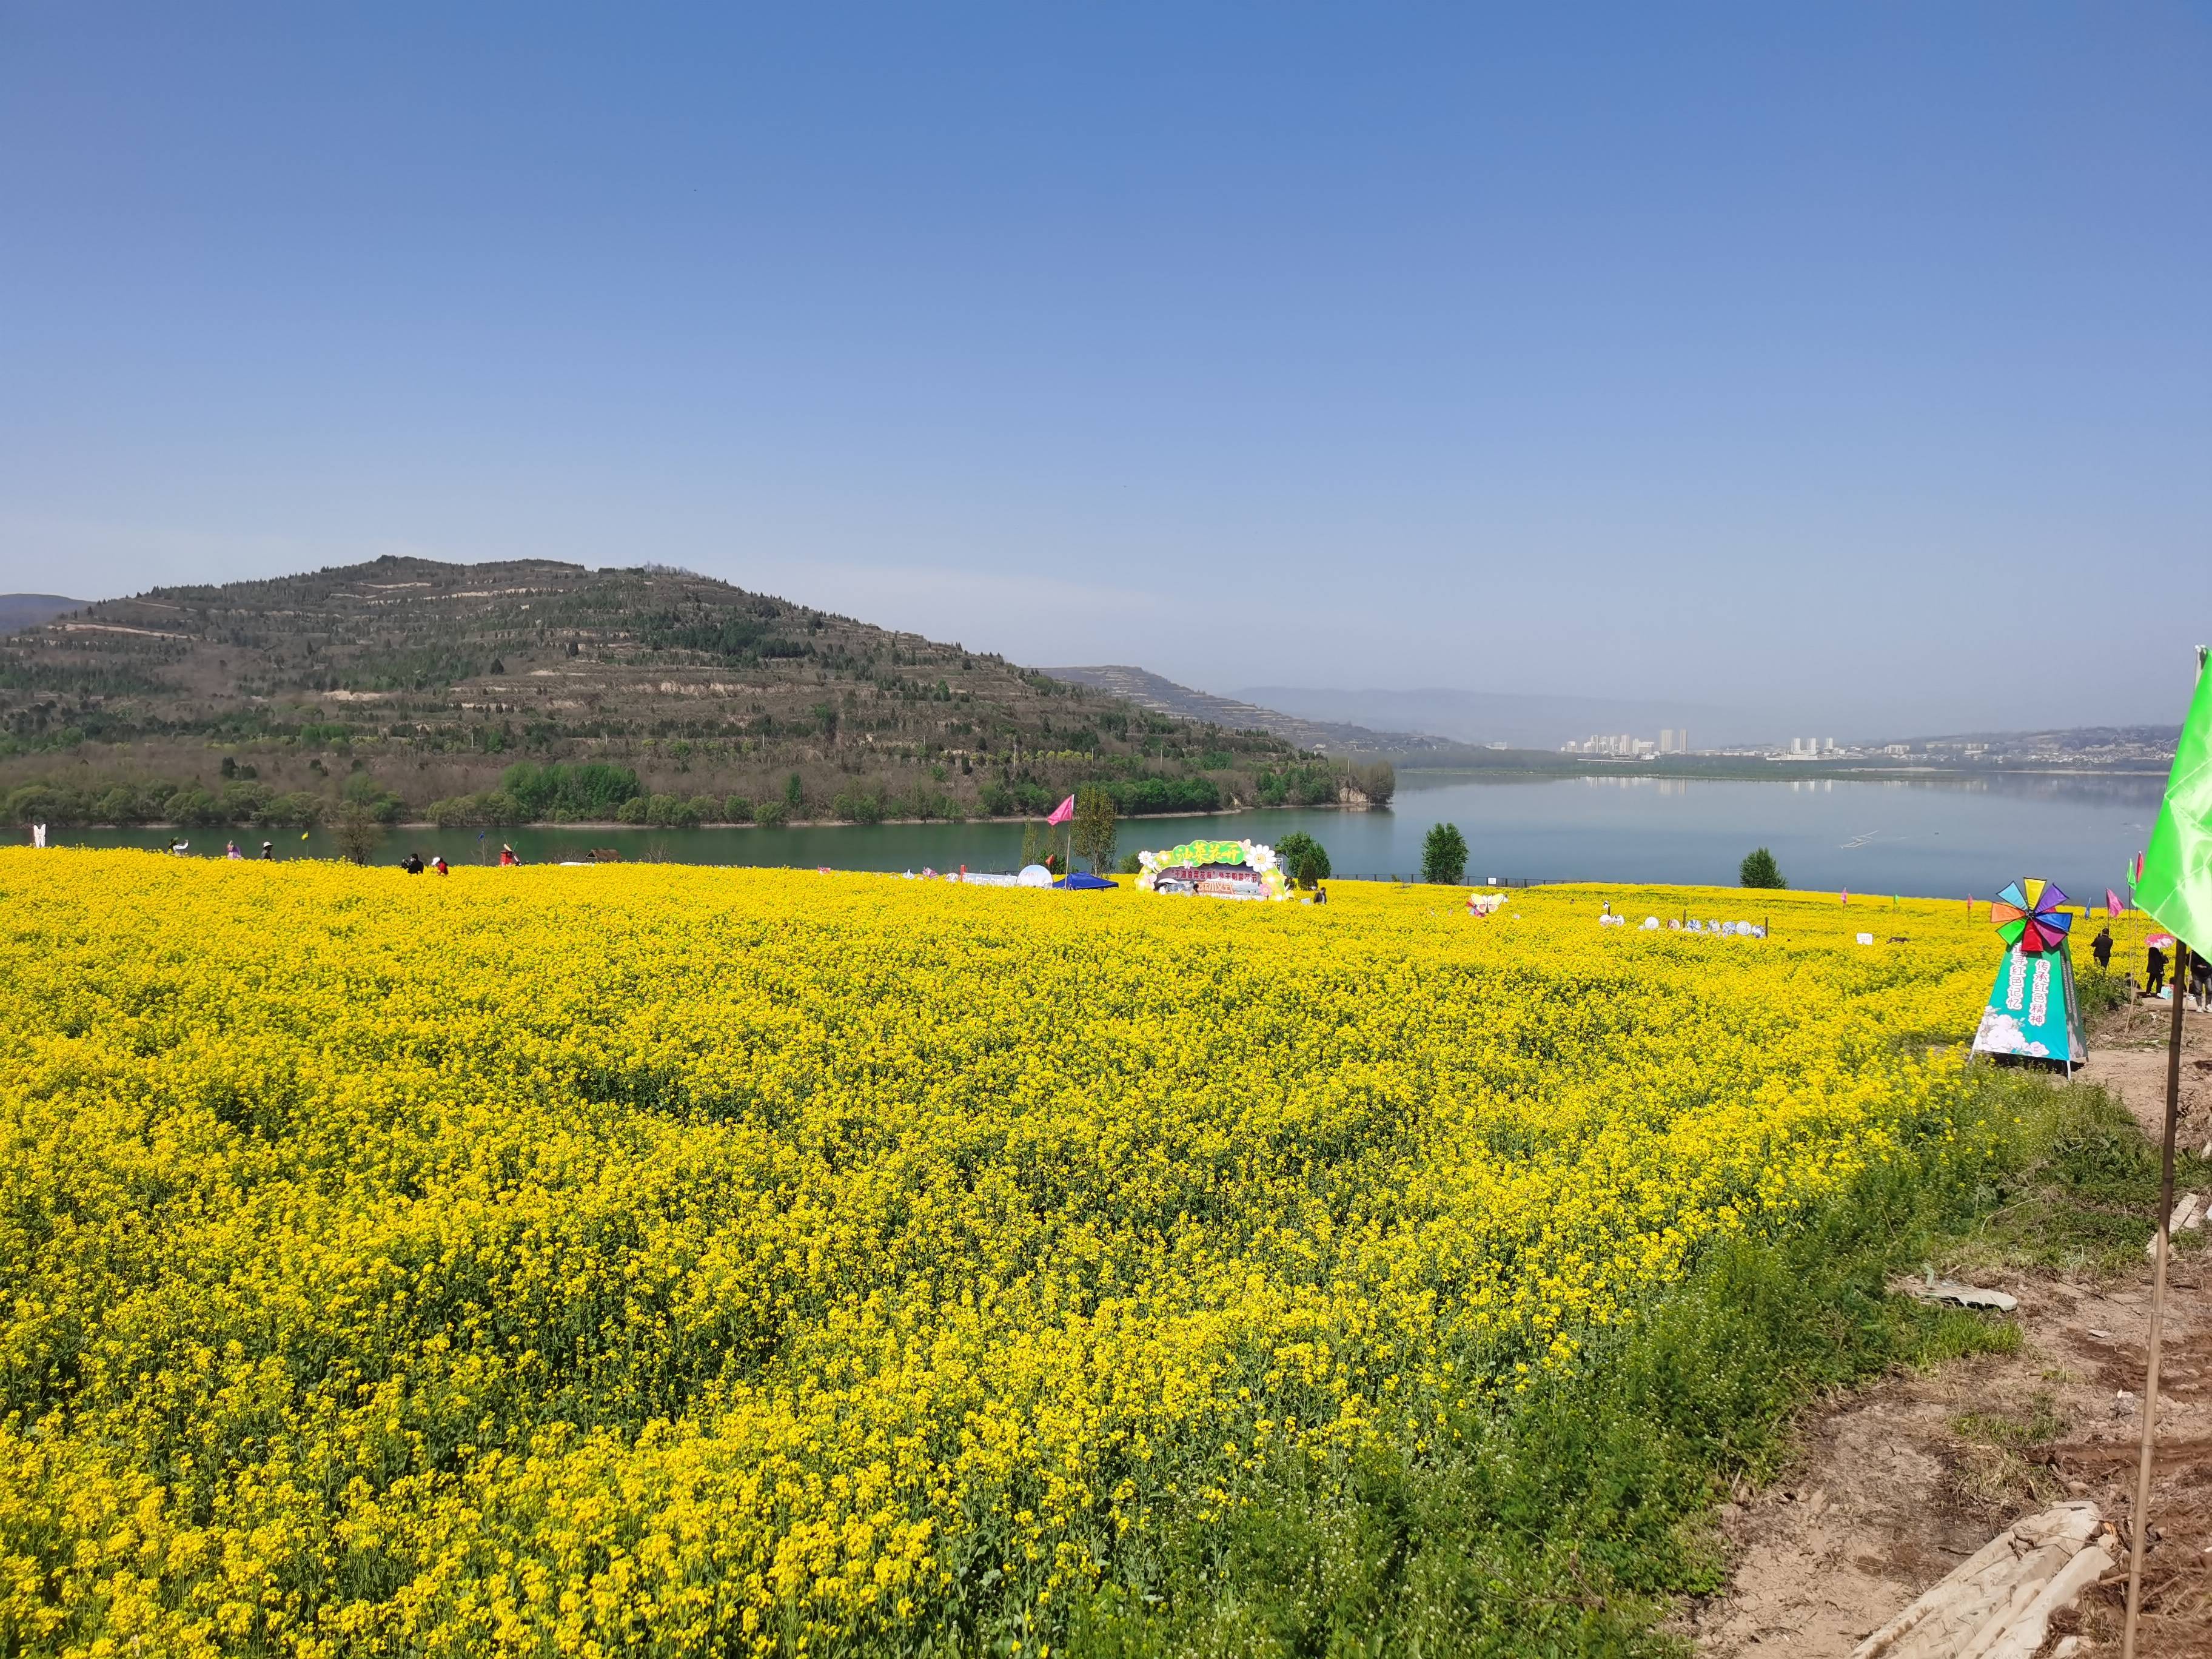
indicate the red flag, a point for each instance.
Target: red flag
{"x":1061,"y":813}
{"x":2112,"y":905}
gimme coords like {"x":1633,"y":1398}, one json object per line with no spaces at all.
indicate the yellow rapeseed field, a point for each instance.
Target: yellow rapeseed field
{"x":588,"y":1261}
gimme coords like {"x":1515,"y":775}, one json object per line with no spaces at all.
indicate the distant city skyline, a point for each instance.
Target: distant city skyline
{"x":1841,"y":369}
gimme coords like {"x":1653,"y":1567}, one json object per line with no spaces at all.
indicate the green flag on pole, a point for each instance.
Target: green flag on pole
{"x":2175,"y":885}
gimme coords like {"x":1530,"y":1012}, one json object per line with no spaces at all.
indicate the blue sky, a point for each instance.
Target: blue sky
{"x":1851,"y":361}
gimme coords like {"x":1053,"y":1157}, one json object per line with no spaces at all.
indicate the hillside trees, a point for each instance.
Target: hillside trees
{"x":1378,"y":782}
{"x":1309,"y":783}
{"x":590,"y":792}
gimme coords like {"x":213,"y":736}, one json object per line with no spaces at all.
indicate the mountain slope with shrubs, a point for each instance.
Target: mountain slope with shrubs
{"x":537,"y":691}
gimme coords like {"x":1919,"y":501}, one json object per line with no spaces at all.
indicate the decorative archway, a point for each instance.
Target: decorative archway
{"x":1219,"y":869}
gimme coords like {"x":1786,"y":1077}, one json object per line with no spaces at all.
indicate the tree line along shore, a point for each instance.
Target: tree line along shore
{"x":599,"y":794}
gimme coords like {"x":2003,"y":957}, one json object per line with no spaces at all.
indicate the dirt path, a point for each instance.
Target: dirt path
{"x":2128,"y":1056}
{"x":1894,"y":1486}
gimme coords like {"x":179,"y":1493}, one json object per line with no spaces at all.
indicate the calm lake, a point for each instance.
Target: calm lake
{"x":1942,"y":838}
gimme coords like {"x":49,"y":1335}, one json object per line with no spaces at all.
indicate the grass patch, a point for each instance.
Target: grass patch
{"x":1994,"y":1469}
{"x":2099,"y":990}
{"x":2002,"y":1429}
{"x":2078,"y":1194}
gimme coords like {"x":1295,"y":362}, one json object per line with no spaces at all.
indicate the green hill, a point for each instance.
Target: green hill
{"x":504,"y":693}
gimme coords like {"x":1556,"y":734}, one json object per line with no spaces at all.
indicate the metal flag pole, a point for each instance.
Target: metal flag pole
{"x":2140,"y":1517}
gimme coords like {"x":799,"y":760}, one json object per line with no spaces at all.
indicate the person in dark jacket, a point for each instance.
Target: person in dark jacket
{"x":412,"y":864}
{"x":2101,"y":948}
{"x":2153,"y":971}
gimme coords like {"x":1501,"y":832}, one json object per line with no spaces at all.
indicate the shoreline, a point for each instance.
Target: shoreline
{"x":597,"y":825}
{"x":1795,"y":773}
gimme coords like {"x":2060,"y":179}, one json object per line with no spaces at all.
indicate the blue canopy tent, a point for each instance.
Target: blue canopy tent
{"x":1083,"y":882}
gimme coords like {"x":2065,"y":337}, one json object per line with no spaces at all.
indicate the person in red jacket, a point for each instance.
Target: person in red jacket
{"x":507,"y":855}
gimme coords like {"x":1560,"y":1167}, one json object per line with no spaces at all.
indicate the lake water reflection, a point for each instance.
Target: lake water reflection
{"x":1937,"y":837}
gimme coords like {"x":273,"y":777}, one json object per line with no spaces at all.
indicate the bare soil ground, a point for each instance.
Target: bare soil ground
{"x":1894,"y":1486}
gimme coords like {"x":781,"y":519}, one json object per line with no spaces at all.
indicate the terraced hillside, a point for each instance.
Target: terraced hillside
{"x":505,"y":692}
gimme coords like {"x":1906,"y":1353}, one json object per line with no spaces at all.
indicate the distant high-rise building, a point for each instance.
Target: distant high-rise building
{"x":1665,"y":739}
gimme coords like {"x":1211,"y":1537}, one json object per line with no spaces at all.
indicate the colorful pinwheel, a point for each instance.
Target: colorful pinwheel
{"x":2028,"y":915}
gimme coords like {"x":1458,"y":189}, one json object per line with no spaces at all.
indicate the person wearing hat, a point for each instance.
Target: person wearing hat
{"x":268,"y":852}
{"x":506,"y":854}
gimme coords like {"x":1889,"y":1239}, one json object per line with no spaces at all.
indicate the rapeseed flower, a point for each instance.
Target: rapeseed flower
{"x":581,"y":1260}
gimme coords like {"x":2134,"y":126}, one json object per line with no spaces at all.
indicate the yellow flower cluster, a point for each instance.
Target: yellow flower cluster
{"x":585,"y":1260}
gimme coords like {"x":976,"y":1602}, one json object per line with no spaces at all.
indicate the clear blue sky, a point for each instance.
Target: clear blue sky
{"x":1851,"y":361}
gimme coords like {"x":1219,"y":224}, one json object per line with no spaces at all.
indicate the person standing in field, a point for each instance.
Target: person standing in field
{"x":2101,"y":948}
{"x":2154,"y":970}
{"x":507,"y":855}
{"x":268,"y":852}
{"x":412,"y":864}
{"x":438,"y":863}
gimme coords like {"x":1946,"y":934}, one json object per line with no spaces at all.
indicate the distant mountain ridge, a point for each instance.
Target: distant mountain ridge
{"x":1166,"y":696}
{"x":2067,"y":737}
{"x":19,"y":610}
{"x":1520,"y":721}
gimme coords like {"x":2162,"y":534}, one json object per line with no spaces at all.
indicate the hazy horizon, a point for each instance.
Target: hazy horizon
{"x":1849,"y":368}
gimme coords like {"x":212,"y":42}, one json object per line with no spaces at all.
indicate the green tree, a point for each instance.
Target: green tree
{"x":1444,"y":855}
{"x":1378,"y":782}
{"x":858,"y":805}
{"x":383,"y":805}
{"x":1304,"y":860}
{"x":1093,"y":826}
{"x":1033,"y":844}
{"x":794,"y":793}
{"x":770,"y":813}
{"x":1759,"y":869}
